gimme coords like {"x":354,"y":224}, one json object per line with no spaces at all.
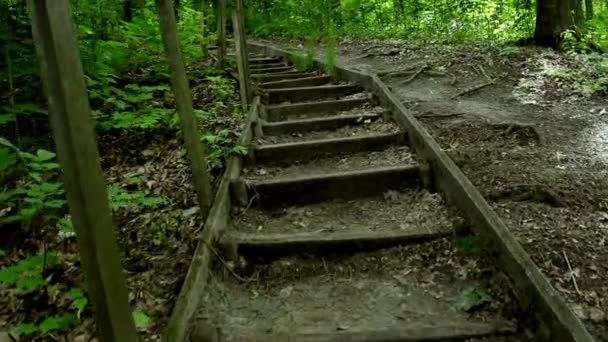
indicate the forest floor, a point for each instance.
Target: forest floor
{"x":526,"y":128}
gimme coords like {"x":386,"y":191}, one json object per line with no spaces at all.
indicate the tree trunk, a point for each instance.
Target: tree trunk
{"x":589,"y":9}
{"x":553,"y":17}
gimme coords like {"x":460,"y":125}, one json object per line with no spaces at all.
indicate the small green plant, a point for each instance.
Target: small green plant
{"x":222,"y":87}
{"x":141,"y":319}
{"x":120,"y":198}
{"x":26,"y":274}
{"x":471,"y":298}
{"x":468,"y":245}
{"x":50,"y":324}
{"x":510,"y":52}
{"x":330,"y":53}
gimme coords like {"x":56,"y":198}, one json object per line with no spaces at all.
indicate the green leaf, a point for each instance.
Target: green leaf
{"x":6,"y":118}
{"x":151,"y":201}
{"x":7,"y":159}
{"x":6,"y":143}
{"x":27,"y":329}
{"x":44,"y":155}
{"x":58,"y":323}
{"x":2,"y":253}
{"x":79,"y":300}
{"x":56,"y":203}
{"x":240,"y":150}
{"x":141,"y":319}
{"x":471,"y":298}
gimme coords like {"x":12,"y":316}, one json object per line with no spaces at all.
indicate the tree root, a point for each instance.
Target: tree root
{"x":414,"y":75}
{"x":392,"y":52}
{"x":473,"y":89}
{"x":531,"y":192}
{"x":399,"y":72}
{"x":439,"y":116}
{"x":512,"y":128}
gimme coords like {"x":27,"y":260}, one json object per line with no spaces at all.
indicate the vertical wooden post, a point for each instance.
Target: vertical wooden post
{"x":242,"y":59}
{"x":221,"y":33}
{"x":70,"y":116}
{"x":183,"y":99}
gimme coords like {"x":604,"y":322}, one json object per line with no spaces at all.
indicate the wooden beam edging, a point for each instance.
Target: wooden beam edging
{"x":195,"y":282}
{"x":557,"y":322}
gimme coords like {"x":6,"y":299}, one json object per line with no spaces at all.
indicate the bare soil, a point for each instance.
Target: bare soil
{"x":391,"y":156}
{"x":394,"y":211}
{"x":418,"y":285}
{"x":533,"y":143}
{"x":364,"y":128}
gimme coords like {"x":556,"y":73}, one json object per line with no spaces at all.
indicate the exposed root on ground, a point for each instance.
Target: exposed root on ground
{"x":399,"y":72}
{"x":530,"y":192}
{"x":392,"y":52}
{"x":473,"y":89}
{"x":528,"y":129}
{"x":414,"y":75}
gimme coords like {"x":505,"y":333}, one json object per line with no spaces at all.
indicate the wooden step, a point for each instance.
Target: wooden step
{"x":264,"y":60}
{"x":283,"y":154}
{"x":284,"y":111}
{"x":258,"y":71}
{"x":299,"y":82}
{"x":316,"y":124}
{"x":311,"y":93}
{"x":277,"y":245}
{"x":318,"y":188}
{"x":278,"y":64}
{"x":289,"y":75}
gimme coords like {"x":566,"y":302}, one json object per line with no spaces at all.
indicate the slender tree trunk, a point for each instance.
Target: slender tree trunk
{"x":589,"y":9}
{"x":553,"y":17}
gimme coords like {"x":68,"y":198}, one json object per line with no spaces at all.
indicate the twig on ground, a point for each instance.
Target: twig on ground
{"x":399,"y":72}
{"x":473,"y":89}
{"x":411,"y":78}
{"x":439,"y":116}
{"x":572,"y":275}
{"x":225,"y":263}
{"x":483,"y":71}
{"x":512,"y":127}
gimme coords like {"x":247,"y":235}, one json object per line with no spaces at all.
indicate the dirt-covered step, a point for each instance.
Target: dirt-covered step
{"x":301,"y":94}
{"x":318,"y":124}
{"x":315,"y":188}
{"x":363,"y":127}
{"x":288,"y":75}
{"x":299,"y":82}
{"x":427,"y":292}
{"x":315,"y":109}
{"x":340,"y":162}
{"x":287,"y":153}
{"x":256,"y":67}
{"x":273,"y":70}
{"x":264,"y":60}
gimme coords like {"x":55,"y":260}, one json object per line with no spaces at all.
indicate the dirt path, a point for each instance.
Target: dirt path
{"x":535,"y":147}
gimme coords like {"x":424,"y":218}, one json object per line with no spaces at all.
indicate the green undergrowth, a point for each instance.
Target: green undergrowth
{"x":42,"y":288}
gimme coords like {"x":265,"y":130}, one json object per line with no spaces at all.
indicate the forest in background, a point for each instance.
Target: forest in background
{"x":128,"y":85}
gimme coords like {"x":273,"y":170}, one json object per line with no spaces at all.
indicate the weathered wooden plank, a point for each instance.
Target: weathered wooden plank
{"x":441,"y":331}
{"x":272,"y":70}
{"x":74,"y":135}
{"x":344,"y":185}
{"x":282,"y":112}
{"x":277,"y":245}
{"x":290,"y":75}
{"x":298,"y":82}
{"x":317,"y":124}
{"x":311,"y":93}
{"x":286,"y":153}
{"x":183,"y":100}
{"x":238,"y":22}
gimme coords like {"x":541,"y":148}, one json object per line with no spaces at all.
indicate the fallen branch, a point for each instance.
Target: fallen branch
{"x":511,"y":128}
{"x":399,"y":72}
{"x":572,"y":275}
{"x":473,"y":89}
{"x":439,"y":116}
{"x":411,"y":78}
{"x":483,"y":71}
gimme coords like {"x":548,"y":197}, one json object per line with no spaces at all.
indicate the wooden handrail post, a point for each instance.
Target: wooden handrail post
{"x":242,"y":59}
{"x":183,"y":100}
{"x":73,"y":131}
